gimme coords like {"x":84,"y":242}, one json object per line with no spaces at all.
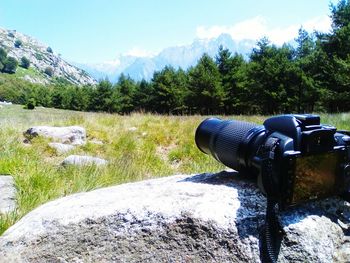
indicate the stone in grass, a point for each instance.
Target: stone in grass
{"x":74,"y":135}
{"x":97,"y":142}
{"x":7,"y":194}
{"x":81,"y":160}
{"x":183,"y":218}
{"x":61,"y":148}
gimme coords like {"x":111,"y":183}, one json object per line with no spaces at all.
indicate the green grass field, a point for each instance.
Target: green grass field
{"x":161,"y":146}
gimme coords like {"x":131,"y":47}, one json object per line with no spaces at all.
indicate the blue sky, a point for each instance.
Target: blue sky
{"x":100,"y":30}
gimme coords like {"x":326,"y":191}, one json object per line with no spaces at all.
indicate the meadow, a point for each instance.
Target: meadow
{"x":138,"y":146}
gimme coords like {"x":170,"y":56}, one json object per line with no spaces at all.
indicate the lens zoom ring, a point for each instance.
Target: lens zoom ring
{"x":228,"y":139}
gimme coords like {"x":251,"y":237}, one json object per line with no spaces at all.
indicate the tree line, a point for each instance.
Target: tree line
{"x":312,"y":75}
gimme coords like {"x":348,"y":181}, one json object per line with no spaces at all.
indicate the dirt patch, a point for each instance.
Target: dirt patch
{"x":163,"y":153}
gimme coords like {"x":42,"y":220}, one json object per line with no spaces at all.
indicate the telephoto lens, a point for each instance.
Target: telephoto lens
{"x":230,"y":142}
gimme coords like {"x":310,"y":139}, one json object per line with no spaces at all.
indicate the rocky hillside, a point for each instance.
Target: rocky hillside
{"x":45,"y":65}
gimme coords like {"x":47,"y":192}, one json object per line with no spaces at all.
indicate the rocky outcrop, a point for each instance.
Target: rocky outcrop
{"x":7,"y":194}
{"x":74,"y":135}
{"x":41,"y":57}
{"x":66,"y":139}
{"x":61,"y":148}
{"x":5,"y":103}
{"x":199,"y":218}
{"x":82,"y":160}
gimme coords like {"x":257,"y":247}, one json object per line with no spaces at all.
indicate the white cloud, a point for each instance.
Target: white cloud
{"x":321,"y":23}
{"x":248,"y":29}
{"x":258,"y":27}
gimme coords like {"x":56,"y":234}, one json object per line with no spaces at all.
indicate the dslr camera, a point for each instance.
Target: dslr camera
{"x":294,"y":157}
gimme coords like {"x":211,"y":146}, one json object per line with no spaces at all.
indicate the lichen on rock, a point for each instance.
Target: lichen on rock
{"x":182,"y":218}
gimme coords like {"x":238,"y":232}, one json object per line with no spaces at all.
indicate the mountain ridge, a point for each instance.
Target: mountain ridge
{"x":183,"y":56}
{"x":41,"y":58}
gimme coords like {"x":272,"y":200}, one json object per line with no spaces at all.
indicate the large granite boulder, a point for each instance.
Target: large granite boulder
{"x":200,"y":218}
{"x":74,"y":135}
{"x":7,"y":194}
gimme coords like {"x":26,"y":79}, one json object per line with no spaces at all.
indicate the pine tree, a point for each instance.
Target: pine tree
{"x":309,"y":91}
{"x":124,"y":94}
{"x":206,"y":94}
{"x":232,"y":70}
{"x":223,"y":60}
{"x":142,"y":96}
{"x":334,"y":59}
{"x":271,"y":79}
{"x":168,"y":90}
{"x":102,"y":97}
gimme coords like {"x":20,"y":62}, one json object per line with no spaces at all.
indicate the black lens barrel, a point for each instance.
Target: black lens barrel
{"x":223,"y":139}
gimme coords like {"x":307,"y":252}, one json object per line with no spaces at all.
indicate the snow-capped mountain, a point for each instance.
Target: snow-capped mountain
{"x":179,"y":56}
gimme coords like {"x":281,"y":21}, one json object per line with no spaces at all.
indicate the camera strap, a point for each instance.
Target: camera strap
{"x":272,"y":231}
{"x":271,"y":234}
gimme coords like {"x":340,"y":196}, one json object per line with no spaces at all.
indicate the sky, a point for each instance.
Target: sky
{"x":93,"y":31}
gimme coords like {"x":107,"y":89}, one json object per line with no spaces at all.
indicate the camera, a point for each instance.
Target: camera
{"x":293,"y":156}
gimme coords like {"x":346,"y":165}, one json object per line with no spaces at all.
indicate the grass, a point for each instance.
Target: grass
{"x":21,"y":72}
{"x":160,"y":146}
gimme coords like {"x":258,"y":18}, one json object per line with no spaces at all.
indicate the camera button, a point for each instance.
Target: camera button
{"x":346,"y":139}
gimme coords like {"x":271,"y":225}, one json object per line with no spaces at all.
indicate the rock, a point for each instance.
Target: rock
{"x":8,"y":194}
{"x":74,"y":135}
{"x":61,"y":148}
{"x":26,"y":142}
{"x":132,"y":129}
{"x":5,"y":103}
{"x":201,"y":218}
{"x":95,"y":141}
{"x":81,"y":160}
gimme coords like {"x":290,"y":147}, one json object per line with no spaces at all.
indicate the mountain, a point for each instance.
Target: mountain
{"x":109,"y":69}
{"x":42,"y":59}
{"x":179,"y":56}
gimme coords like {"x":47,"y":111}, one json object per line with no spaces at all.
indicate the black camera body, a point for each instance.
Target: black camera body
{"x":294,"y":157}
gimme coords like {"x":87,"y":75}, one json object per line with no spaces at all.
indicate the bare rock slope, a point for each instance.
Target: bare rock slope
{"x":198,"y":218}
{"x":41,"y":57}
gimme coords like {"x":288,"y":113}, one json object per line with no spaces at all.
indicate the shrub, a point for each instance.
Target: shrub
{"x":18,"y":43}
{"x":38,"y":56}
{"x":30,"y":105}
{"x":49,"y":71}
{"x":10,"y":65}
{"x":25,"y":63}
{"x":3,"y":56}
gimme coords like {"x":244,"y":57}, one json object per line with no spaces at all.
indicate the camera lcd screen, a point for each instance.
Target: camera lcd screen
{"x":315,"y":176}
